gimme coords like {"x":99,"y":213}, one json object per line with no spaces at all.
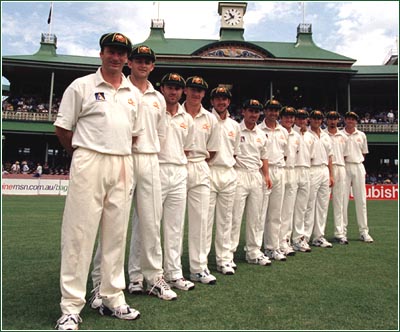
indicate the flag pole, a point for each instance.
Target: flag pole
{"x":49,"y":20}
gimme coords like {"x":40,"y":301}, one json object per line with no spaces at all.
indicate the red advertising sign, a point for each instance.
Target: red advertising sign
{"x":382,"y":191}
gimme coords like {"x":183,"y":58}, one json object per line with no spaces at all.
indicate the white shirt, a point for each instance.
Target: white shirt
{"x":253,"y":148}
{"x":152,"y":108}
{"x":178,"y":139}
{"x":306,"y":148}
{"x":292,"y":148}
{"x":277,"y":141}
{"x":322,"y":149}
{"x":229,"y":142}
{"x":357,"y":146}
{"x":206,"y":135}
{"x":339,"y":141}
{"x":103,"y":119}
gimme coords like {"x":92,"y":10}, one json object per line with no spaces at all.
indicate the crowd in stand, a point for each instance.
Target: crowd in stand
{"x":36,"y":169}
{"x":30,"y":104}
{"x":40,"y":105}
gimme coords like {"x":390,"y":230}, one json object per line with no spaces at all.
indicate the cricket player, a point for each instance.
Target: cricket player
{"x":321,"y":179}
{"x":287,"y":115}
{"x":96,"y":123}
{"x":223,"y":180}
{"x":273,"y":197}
{"x":302,"y":173}
{"x":252,"y":170}
{"x":338,"y":191}
{"x":355,"y":174}
{"x":176,"y":144}
{"x":206,"y":140}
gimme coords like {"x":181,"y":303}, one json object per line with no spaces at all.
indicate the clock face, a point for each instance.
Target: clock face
{"x":232,"y":16}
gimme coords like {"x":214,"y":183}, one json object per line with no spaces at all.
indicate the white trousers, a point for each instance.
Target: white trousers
{"x":248,"y":200}
{"x":338,"y":192}
{"x":318,"y":202}
{"x":223,"y":188}
{"x":272,"y":206}
{"x":198,"y":201}
{"x":289,"y":199}
{"x":302,"y":174}
{"x":355,"y":180}
{"x":173,"y":186}
{"x":100,"y":194}
{"x":145,"y":255}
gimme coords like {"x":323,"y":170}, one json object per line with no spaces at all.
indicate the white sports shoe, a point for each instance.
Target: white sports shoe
{"x":136,"y":287}
{"x":69,"y":322}
{"x":289,"y":251}
{"x":204,"y":277}
{"x":275,"y":255}
{"x":226,"y":269}
{"x":122,"y":312}
{"x":366,"y":238}
{"x":300,"y":246}
{"x":260,"y":260}
{"x":233,"y":264}
{"x":95,"y":301}
{"x":181,"y":284}
{"x":321,"y":242}
{"x":162,"y":290}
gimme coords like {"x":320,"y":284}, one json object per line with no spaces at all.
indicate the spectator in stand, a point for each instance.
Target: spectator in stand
{"x":390,"y":116}
{"x":15,"y":168}
{"x":38,"y":171}
{"x":25,"y":167}
{"x":46,"y":168}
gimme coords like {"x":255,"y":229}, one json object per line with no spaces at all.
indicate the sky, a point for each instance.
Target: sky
{"x":363,"y":30}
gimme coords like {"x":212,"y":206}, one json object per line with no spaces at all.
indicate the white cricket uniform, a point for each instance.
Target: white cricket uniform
{"x":357,"y":147}
{"x":223,"y":187}
{"x":290,"y":190}
{"x":338,"y":191}
{"x":249,"y":192}
{"x":273,"y":197}
{"x":104,"y":119}
{"x":145,"y":255}
{"x":173,"y":175}
{"x":302,"y":171}
{"x":318,"y":202}
{"x":206,"y":138}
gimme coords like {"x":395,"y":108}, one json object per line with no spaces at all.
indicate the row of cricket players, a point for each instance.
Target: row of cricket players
{"x":277,"y":176}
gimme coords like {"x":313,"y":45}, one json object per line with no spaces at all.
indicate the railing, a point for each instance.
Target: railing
{"x":28,"y":116}
{"x":44,"y":117}
{"x":378,"y":127}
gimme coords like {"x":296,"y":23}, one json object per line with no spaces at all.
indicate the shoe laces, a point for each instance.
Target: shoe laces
{"x":96,"y":293}
{"x":121,"y":310}
{"x":67,"y":317}
{"x":162,"y":284}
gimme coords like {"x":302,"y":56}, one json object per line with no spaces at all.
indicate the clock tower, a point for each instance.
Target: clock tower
{"x":232,"y":14}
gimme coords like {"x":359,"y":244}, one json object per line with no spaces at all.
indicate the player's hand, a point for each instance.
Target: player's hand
{"x":268,"y":182}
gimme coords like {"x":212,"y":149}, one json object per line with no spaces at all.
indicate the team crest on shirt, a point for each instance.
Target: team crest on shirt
{"x":206,"y":126}
{"x":231,"y":134}
{"x":155,"y":104}
{"x":183,"y":125}
{"x":100,"y":96}
{"x":131,"y":102}
{"x":242,"y":139}
{"x":258,"y":140}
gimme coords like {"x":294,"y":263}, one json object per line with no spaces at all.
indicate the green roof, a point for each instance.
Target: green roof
{"x":28,"y":127}
{"x":303,"y":48}
{"x":382,"y":138}
{"x":377,"y":70}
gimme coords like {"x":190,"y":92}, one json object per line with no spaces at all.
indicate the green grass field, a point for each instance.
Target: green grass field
{"x":352,"y":287}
